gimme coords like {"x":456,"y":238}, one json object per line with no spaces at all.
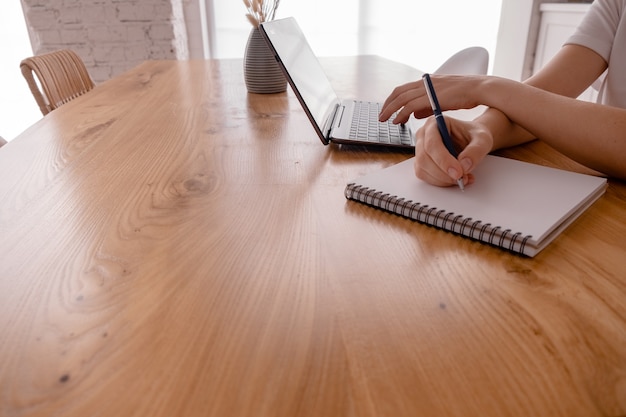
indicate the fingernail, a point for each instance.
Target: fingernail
{"x":466,"y":163}
{"x":453,"y":174}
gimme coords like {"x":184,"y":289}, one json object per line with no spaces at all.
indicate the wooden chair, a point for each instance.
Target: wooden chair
{"x":62,"y":76}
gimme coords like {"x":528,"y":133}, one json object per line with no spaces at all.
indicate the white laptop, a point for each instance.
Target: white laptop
{"x":335,"y":120}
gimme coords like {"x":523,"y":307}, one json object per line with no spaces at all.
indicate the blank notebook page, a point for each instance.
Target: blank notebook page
{"x":523,"y":197}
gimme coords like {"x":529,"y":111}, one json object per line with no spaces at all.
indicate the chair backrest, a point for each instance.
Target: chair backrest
{"x":62,"y":76}
{"x":472,"y":60}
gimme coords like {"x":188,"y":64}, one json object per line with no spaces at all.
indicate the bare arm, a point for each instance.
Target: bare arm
{"x":592,"y":134}
{"x":567,"y":74}
{"x":542,"y":107}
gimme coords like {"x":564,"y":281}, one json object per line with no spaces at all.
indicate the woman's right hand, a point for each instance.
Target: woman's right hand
{"x":435,"y":165}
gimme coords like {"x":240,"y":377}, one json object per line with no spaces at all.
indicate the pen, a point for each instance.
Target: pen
{"x":441,"y":123}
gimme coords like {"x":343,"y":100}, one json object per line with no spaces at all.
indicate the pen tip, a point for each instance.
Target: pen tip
{"x":460,"y":183}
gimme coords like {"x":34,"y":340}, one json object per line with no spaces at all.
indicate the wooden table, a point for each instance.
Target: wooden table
{"x":174,"y":246}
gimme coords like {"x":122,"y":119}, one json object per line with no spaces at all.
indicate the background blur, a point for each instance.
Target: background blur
{"x":415,"y":32}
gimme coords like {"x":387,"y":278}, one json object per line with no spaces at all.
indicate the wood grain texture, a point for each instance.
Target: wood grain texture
{"x":174,"y":246}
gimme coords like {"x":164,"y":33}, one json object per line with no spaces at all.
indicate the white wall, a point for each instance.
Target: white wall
{"x":517,"y":37}
{"x":511,"y":52}
{"x":420,"y":33}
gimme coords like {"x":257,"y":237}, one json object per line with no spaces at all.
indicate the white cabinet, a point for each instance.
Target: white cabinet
{"x":558,"y":21}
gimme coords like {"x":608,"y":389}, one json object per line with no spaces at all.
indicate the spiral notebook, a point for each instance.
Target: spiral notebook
{"x":517,"y":206}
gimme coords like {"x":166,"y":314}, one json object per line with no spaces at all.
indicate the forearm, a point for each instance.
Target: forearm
{"x":589,"y":133}
{"x":504,"y":132}
{"x":507,"y":133}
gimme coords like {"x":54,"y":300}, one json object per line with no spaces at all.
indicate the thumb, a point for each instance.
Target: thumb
{"x":479,"y":143}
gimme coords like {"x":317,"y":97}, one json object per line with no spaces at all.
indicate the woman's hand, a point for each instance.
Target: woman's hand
{"x":435,"y":165}
{"x":454,"y":92}
{"x":541,"y":107}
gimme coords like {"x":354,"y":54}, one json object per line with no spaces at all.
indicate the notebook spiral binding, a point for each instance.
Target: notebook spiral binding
{"x":455,"y":223}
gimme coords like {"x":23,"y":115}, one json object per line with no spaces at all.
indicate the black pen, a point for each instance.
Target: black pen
{"x":441,"y":123}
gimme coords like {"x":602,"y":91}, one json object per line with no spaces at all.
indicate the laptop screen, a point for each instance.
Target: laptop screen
{"x":304,"y":72}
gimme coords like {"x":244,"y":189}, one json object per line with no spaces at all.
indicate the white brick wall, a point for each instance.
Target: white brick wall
{"x":111,"y":36}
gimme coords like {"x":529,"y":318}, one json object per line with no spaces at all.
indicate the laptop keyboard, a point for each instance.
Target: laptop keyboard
{"x":366,"y":127}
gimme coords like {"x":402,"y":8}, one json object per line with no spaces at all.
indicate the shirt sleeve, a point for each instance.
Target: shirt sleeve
{"x":599,"y":26}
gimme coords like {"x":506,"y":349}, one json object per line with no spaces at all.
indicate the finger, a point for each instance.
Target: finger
{"x":476,"y":143}
{"x":412,"y":102}
{"x":392,"y":103}
{"x":398,"y":91}
{"x":436,"y":150}
{"x":437,"y":177}
{"x":398,"y":99}
{"x":431,"y":177}
{"x":405,"y":112}
{"x":426,"y":167}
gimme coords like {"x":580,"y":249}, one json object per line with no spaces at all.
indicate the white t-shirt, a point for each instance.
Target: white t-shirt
{"x":603,"y":30}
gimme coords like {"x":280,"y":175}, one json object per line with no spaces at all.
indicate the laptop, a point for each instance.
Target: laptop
{"x":335,"y":120}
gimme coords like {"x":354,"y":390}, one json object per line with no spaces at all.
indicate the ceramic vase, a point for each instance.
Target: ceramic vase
{"x":261,"y":72}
